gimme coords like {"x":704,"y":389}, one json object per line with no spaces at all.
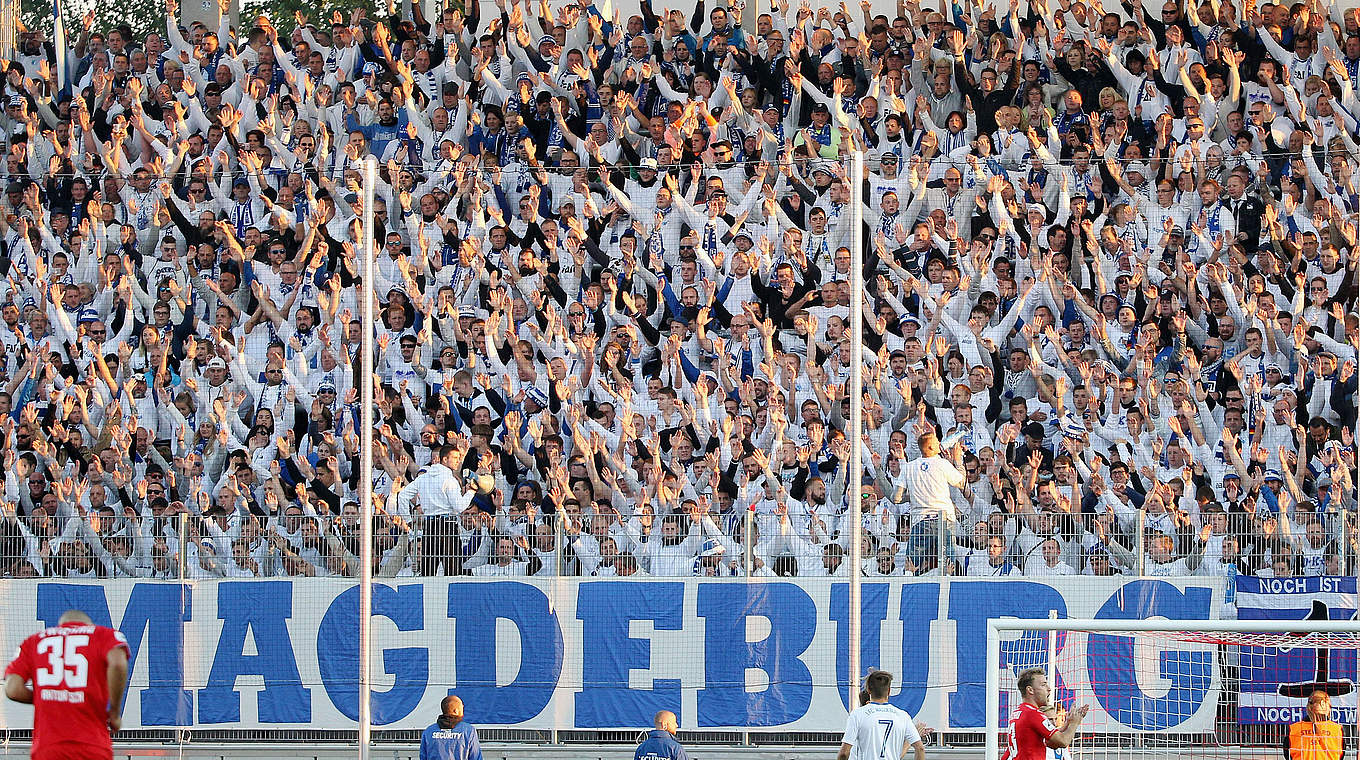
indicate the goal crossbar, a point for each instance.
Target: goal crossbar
{"x":996,"y":626}
{"x":1172,"y":626}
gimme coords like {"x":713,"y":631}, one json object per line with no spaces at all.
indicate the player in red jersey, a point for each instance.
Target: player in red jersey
{"x":74,"y":675}
{"x":1032,"y":734}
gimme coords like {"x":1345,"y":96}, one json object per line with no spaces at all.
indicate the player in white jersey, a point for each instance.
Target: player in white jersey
{"x":878,"y":730}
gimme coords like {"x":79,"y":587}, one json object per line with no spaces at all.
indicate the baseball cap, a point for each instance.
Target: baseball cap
{"x":648,"y":163}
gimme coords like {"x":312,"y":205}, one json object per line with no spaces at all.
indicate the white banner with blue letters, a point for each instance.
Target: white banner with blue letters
{"x":607,"y":654}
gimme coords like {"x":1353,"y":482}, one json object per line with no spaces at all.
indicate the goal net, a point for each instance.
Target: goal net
{"x":1171,"y":689}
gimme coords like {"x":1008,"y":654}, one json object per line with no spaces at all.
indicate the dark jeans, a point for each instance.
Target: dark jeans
{"x":439,"y":543}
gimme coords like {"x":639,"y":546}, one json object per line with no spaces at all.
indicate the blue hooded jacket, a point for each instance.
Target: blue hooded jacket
{"x":456,"y":743}
{"x":660,"y":745}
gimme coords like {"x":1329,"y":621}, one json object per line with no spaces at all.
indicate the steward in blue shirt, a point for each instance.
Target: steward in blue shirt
{"x":660,"y":743}
{"x":450,"y":738}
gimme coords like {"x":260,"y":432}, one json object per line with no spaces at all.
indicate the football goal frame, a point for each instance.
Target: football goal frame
{"x":1321,"y":634}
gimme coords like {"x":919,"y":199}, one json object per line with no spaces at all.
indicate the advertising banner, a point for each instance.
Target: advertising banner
{"x":595,"y":654}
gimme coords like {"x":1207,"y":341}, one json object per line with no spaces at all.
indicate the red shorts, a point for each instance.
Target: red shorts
{"x":73,"y":751}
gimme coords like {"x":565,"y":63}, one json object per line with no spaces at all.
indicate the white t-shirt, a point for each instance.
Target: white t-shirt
{"x":879,"y":731}
{"x":928,"y":481}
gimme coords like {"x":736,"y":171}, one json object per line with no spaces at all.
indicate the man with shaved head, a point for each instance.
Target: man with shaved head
{"x":661,"y":743}
{"x":74,"y":675}
{"x":450,"y":738}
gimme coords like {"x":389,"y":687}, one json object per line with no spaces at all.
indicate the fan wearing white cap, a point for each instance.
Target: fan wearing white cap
{"x":214,"y":384}
{"x":639,"y":194}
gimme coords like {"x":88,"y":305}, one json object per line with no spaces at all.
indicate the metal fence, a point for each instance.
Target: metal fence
{"x":685,"y":543}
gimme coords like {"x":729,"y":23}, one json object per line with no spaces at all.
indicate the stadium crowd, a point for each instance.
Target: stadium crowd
{"x":1110,"y":284}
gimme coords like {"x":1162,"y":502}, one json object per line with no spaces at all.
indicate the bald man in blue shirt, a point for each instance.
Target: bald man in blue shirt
{"x":450,"y":738}
{"x":661,"y":743}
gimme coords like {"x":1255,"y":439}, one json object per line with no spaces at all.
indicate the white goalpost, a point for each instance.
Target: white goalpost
{"x":1176,"y":688}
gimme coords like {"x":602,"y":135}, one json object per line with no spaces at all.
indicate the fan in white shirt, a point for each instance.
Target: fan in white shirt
{"x":504,"y":561}
{"x":1049,"y":561}
{"x":929,"y":478}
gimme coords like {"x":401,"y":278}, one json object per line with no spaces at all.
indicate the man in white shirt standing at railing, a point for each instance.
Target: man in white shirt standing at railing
{"x":441,"y":498}
{"x":928,"y":480}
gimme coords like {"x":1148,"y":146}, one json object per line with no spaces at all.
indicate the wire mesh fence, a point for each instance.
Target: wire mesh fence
{"x":699,"y":541}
